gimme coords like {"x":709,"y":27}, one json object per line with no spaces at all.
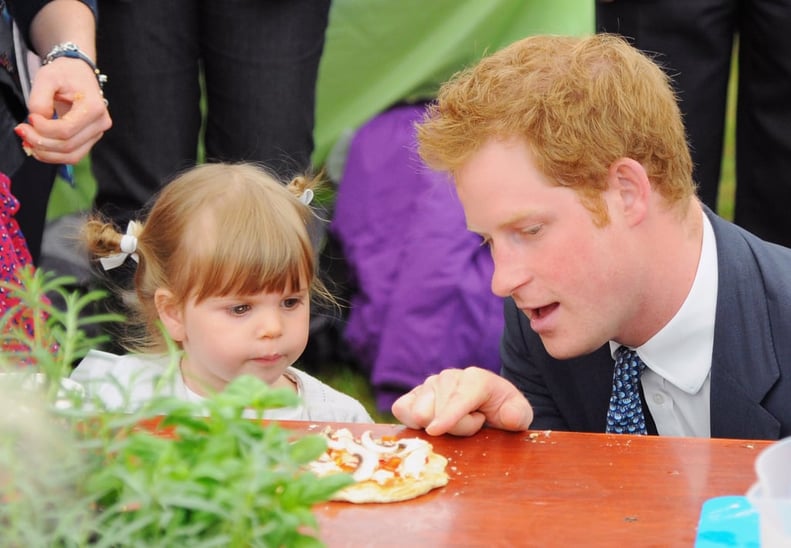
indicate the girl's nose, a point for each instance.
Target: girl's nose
{"x":269,"y":325}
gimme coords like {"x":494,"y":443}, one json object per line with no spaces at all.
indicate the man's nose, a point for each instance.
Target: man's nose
{"x":510,"y":272}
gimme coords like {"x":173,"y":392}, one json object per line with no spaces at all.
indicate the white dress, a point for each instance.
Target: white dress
{"x":126,"y":382}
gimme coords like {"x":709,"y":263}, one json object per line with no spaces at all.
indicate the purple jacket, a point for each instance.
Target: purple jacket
{"x":423,"y":301}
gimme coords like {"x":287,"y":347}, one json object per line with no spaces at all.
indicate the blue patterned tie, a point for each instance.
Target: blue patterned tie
{"x":625,"y":415}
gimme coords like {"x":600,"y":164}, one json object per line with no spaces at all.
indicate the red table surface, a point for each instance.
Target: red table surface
{"x":549,"y":489}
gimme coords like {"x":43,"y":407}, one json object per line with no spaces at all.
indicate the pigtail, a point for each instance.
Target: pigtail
{"x":304,"y":186}
{"x":111,"y":247}
{"x":299,"y":184}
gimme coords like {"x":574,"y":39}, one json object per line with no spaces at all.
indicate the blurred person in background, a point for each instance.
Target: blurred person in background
{"x":258,"y":62}
{"x":53,"y":120}
{"x":693,"y":41}
{"x":56,"y":118}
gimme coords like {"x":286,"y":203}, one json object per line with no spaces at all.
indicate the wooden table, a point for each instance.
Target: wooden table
{"x":551,"y":489}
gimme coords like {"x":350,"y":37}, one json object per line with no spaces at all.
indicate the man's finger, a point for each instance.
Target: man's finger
{"x":466,"y":426}
{"x":514,"y":414}
{"x":404,"y":410}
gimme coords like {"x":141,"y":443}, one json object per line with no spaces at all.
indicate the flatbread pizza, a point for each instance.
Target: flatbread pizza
{"x":384,"y":470}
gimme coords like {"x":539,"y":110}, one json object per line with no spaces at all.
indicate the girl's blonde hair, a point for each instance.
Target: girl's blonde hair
{"x":215,"y":230}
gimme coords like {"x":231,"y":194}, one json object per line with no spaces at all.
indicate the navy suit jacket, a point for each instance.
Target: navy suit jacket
{"x":750,"y":364}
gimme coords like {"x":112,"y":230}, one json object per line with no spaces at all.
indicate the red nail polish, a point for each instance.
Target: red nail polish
{"x":20,"y":132}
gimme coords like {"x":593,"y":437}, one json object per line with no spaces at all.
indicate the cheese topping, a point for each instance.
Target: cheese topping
{"x":379,"y":460}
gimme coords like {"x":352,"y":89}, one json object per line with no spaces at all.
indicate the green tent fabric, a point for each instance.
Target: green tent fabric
{"x":382,"y":52}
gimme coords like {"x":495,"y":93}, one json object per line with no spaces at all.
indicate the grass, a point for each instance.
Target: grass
{"x":726,"y":197}
{"x":349,"y":380}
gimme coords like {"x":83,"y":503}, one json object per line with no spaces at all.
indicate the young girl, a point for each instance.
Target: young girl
{"x":225,"y":263}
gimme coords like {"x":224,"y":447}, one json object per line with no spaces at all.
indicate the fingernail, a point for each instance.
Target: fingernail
{"x":19,"y":132}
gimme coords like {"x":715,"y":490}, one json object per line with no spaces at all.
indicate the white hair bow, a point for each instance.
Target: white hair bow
{"x":306,"y":197}
{"x":128,"y":248}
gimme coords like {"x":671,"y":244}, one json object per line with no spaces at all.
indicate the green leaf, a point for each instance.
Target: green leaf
{"x":307,"y":448}
{"x":321,"y":489}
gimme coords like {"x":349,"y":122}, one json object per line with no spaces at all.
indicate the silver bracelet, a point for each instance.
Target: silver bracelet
{"x":73,"y":51}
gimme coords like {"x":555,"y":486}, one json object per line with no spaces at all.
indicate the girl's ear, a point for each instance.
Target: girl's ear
{"x":170,"y":314}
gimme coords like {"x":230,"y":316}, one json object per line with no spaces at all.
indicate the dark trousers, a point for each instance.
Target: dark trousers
{"x":259,"y":60}
{"x":693,"y":40}
{"x":31,"y":185}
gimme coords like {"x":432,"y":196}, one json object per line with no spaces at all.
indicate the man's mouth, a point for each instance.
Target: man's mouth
{"x":540,"y":312}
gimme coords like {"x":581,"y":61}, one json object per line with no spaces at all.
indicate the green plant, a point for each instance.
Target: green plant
{"x":222,"y":480}
{"x":172,"y":473}
{"x":60,"y":333}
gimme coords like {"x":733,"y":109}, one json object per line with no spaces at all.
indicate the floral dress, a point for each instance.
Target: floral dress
{"x":14,"y":254}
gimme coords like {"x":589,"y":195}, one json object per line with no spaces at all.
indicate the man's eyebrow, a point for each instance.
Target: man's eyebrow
{"x":510,"y":220}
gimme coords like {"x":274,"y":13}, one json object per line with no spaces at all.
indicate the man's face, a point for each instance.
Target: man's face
{"x":562,"y":271}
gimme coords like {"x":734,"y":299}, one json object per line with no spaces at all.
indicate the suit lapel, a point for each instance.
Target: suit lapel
{"x":741,"y":374}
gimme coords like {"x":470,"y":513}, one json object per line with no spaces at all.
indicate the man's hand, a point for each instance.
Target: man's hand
{"x":460,"y":401}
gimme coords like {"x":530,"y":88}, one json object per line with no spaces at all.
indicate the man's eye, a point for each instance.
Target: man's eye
{"x":532,"y":230}
{"x":240,"y":309}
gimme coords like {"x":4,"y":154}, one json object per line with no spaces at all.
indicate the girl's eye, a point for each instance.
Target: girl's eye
{"x":291,"y":302}
{"x":240,"y":309}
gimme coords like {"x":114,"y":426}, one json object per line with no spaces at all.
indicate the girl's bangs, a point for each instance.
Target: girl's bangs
{"x":245,"y":269}
{"x":251,"y":239}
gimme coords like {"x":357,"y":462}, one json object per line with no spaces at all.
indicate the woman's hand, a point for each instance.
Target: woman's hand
{"x":67,"y":112}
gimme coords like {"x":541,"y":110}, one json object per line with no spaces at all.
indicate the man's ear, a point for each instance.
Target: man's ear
{"x":630,"y":185}
{"x":170,"y":314}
